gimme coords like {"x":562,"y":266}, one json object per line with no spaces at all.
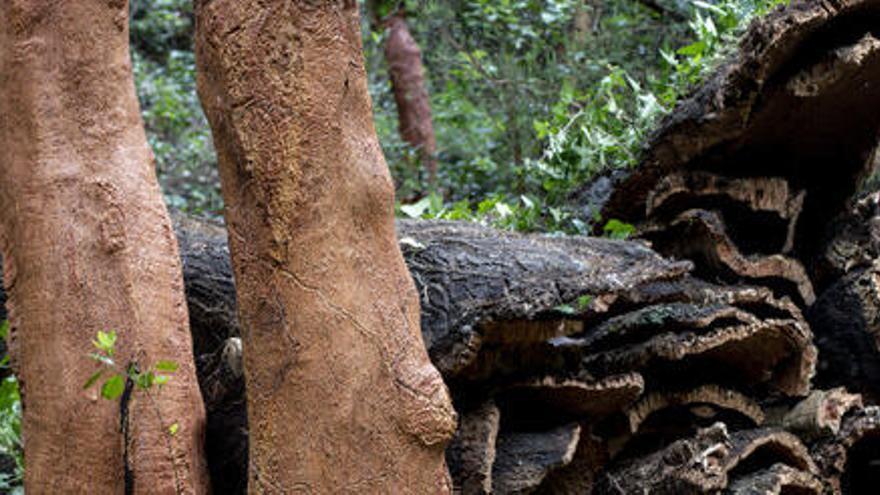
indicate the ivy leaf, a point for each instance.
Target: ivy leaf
{"x":166,"y":366}
{"x":113,"y":387}
{"x":93,"y":379}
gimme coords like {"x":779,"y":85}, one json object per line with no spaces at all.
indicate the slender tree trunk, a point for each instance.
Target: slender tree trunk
{"x":88,"y":246}
{"x":341,"y":394}
{"x":410,"y":91}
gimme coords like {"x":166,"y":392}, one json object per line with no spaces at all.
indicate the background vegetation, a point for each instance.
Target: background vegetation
{"x":531,"y":98}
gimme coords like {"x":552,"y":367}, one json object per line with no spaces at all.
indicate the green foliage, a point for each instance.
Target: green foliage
{"x":10,"y":426}
{"x":578,"y":306}
{"x":616,"y":229}
{"x":534,"y":112}
{"x":530,"y":98}
{"x":177,"y":130}
{"x":120,"y":377}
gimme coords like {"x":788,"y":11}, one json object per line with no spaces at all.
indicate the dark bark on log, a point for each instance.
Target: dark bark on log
{"x":846,"y":318}
{"x":849,"y":460}
{"x":707,"y":462}
{"x":471,"y":454}
{"x":524,"y":459}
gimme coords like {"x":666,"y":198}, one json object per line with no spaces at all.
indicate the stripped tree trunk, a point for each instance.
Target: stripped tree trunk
{"x":404,"y":60}
{"x":88,"y":246}
{"x":341,"y":393}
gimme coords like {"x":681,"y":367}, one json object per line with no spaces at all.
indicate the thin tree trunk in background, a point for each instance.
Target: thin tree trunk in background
{"x":88,"y":247}
{"x":341,"y":393}
{"x":407,"y":74}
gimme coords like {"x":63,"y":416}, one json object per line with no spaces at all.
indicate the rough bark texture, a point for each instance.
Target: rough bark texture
{"x":407,"y":74}
{"x":88,"y":247}
{"x":341,"y":393}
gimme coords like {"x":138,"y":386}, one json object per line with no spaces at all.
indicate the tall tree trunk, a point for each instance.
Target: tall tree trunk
{"x":404,"y":60}
{"x":88,"y":246}
{"x":341,"y":394}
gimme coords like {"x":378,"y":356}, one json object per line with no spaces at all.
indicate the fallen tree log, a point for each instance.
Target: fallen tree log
{"x":560,"y":334}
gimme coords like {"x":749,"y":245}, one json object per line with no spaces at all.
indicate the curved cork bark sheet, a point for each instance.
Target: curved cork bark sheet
{"x":472,"y":452}
{"x":797,"y":96}
{"x":88,"y":247}
{"x":702,"y":236}
{"x":663,"y":417}
{"x":524,"y":459}
{"x":560,"y":400}
{"x":777,"y":353}
{"x":756,"y":300}
{"x":649,"y":321}
{"x":779,"y":479}
{"x":761,"y":213}
{"x":707,"y":462}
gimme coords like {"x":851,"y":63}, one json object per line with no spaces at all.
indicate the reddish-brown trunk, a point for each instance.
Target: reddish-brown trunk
{"x":404,"y":60}
{"x":88,"y":246}
{"x":341,"y":394}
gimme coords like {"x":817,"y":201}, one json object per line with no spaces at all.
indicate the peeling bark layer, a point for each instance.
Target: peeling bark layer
{"x":341,"y":393}
{"x":88,"y":247}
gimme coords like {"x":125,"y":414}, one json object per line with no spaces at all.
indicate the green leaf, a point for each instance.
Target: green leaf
{"x":144,"y":380}
{"x":161,"y":379}
{"x":166,"y":366}
{"x":113,"y":387}
{"x":106,"y":342}
{"x":616,"y":229}
{"x":696,"y":48}
{"x":93,"y":379}
{"x":173,"y":429}
{"x":416,"y":210}
{"x":584,"y":302}
{"x":4,"y":329}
